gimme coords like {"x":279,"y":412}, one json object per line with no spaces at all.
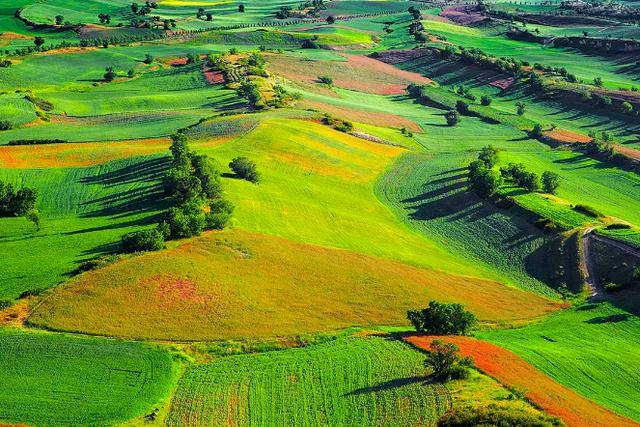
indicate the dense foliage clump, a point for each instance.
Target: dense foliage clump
{"x":245,"y":169}
{"x":442,"y":319}
{"x":446,"y":363}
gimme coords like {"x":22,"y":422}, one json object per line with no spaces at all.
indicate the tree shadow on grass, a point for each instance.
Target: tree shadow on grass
{"x":614,"y":318}
{"x":146,"y":195}
{"x":391,"y":384}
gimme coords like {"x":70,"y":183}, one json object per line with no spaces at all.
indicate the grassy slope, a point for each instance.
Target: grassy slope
{"x":237,"y":284}
{"x":349,"y":381}
{"x":591,"y":349}
{"x":84,"y":212}
{"x":59,"y":379}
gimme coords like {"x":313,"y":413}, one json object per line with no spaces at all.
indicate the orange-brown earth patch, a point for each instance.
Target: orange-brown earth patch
{"x":627,"y":151}
{"x":514,"y":372}
{"x":566,"y":136}
{"x":77,"y":154}
{"x":236,"y":283}
{"x":361,"y":116}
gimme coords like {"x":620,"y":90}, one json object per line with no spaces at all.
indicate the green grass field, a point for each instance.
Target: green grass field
{"x":349,"y":381}
{"x":55,"y":379}
{"x":587,"y":348}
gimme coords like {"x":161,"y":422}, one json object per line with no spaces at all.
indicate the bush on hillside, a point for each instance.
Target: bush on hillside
{"x":5,"y":125}
{"x":452,"y":117}
{"x":485,"y":100}
{"x":245,"y":169}
{"x":444,"y":361}
{"x":488,"y":155}
{"x":495,"y":416}
{"x":143,"y":240}
{"x":442,"y":319}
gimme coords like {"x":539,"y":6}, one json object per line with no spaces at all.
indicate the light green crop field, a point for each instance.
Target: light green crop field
{"x":588,"y":348}
{"x":84,"y":213}
{"x":369,"y":380}
{"x":55,"y":379}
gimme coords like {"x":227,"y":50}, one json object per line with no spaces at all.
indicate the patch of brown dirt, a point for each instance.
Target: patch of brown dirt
{"x":566,"y":136}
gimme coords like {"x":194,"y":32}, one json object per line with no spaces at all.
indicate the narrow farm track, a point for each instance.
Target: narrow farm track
{"x":512,"y":371}
{"x":586,"y":264}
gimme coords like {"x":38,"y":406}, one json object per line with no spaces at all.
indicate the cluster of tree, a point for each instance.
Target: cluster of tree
{"x":337,"y":124}
{"x":465,"y":92}
{"x":193,"y":186}
{"x":442,"y":319}
{"x":20,"y":202}
{"x":202,"y":13}
{"x":136,"y":9}
{"x":416,"y":29}
{"x":483,"y":177}
{"x":249,"y":90}
{"x":284,"y":12}
{"x":494,"y":415}
{"x":314,"y":6}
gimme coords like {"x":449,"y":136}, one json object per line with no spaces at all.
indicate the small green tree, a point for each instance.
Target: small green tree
{"x":485,"y":100}
{"x":521,"y":108}
{"x":241,"y":8}
{"x":536,"y":132}
{"x":59,"y":19}
{"x":331,"y":20}
{"x":38,"y":41}
{"x":148,"y":59}
{"x":442,"y":319}
{"x":550,"y":182}
{"x":144,"y":240}
{"x":325,"y":80}
{"x":445,"y":361}
{"x":597,"y":81}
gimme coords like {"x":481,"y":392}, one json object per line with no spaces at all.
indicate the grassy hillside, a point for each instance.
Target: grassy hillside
{"x":588,"y":349}
{"x":237,"y":284}
{"x":59,"y":379}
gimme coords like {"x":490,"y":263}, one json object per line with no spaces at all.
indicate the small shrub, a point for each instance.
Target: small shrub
{"x":485,"y":100}
{"x":325,"y":80}
{"x":614,"y":287}
{"x":496,"y":416}
{"x":245,"y":169}
{"x":144,"y":240}
{"x":550,"y":182}
{"x":5,"y":125}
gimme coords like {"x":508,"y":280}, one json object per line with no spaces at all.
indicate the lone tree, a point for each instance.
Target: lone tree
{"x":522,"y":107}
{"x":245,"y":169}
{"x":325,"y":80}
{"x":485,"y":100}
{"x":550,"y":182}
{"x":109,"y":74}
{"x":38,"y":41}
{"x":445,"y":362}
{"x":442,"y":319}
{"x":241,"y":8}
{"x":331,"y":20}
{"x":452,"y":117}
{"x":59,"y":19}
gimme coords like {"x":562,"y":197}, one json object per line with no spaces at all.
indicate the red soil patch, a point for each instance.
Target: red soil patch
{"x":370,"y":64}
{"x":503,"y":83}
{"x":367,"y":117}
{"x":566,"y":136}
{"x":178,"y":62}
{"x":513,"y":371}
{"x":213,"y":77}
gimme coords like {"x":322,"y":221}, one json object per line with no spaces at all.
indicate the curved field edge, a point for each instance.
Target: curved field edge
{"x":512,"y":371}
{"x":59,"y":379}
{"x":237,"y":283}
{"x":591,"y":349}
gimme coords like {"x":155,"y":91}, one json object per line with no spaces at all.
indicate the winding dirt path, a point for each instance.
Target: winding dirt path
{"x":586,"y":264}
